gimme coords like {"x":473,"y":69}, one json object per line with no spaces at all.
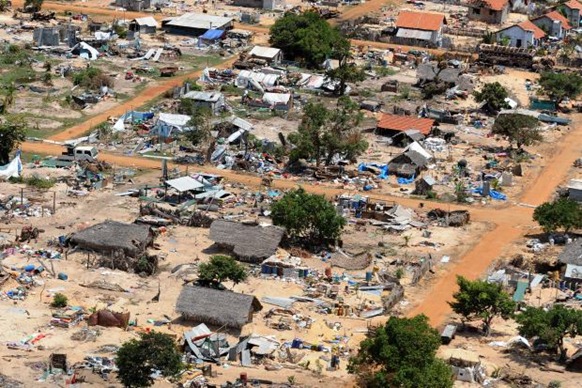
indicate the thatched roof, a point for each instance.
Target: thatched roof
{"x":113,"y":236}
{"x":216,"y":307}
{"x":252,"y":243}
{"x":572,"y":253}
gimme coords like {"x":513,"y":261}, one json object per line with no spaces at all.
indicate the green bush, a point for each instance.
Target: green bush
{"x":60,"y":300}
{"x":40,"y":183}
{"x":92,"y":78}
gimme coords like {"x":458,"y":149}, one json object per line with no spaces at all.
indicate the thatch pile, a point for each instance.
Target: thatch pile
{"x":111,"y":236}
{"x":250,"y":243}
{"x":216,"y":307}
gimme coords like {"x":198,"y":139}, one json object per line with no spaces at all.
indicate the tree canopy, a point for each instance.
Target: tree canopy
{"x":33,"y":5}
{"x":325,"y":132}
{"x":221,"y":268}
{"x":518,"y":129}
{"x":562,"y":213}
{"x":307,"y":37}
{"x":479,"y":299}
{"x":12,"y":133}
{"x":551,"y":326}
{"x":561,"y":85}
{"x":494,"y":95}
{"x":138,"y":358}
{"x":307,"y":216}
{"x":402,"y":353}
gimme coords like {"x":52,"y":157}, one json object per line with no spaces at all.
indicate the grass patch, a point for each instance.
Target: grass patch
{"x":35,"y":181}
{"x":385,"y":71}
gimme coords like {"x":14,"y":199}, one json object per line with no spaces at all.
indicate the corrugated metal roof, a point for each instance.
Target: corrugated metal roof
{"x":573,"y":271}
{"x":185,"y":183}
{"x":199,"y":20}
{"x":413,"y":34}
{"x":420,"y":20}
{"x":204,"y":96}
{"x":264,"y":52}
{"x":404,"y":123}
{"x":240,"y":123}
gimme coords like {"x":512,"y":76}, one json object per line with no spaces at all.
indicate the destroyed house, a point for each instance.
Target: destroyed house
{"x":390,"y":125}
{"x":196,"y":24}
{"x":249,"y":243}
{"x":420,"y":28}
{"x":210,"y":100}
{"x":112,"y":236}
{"x":489,"y":11}
{"x":573,"y":11}
{"x":572,"y":253}
{"x":525,"y":34}
{"x":270,"y":55}
{"x":145,"y":25}
{"x":217,"y":307}
{"x":553,"y":23}
{"x":136,"y":5}
{"x":408,"y":164}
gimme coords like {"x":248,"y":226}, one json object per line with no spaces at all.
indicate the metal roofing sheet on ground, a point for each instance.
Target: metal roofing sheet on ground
{"x":265,"y":52}
{"x":185,"y":183}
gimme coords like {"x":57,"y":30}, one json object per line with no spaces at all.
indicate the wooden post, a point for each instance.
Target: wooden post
{"x":21,"y":197}
{"x":54,"y":202}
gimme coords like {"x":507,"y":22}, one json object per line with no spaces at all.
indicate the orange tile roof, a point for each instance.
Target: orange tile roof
{"x":529,"y":26}
{"x":573,"y":4}
{"x":404,"y":123}
{"x":555,"y":15}
{"x":420,"y":20}
{"x":496,"y":5}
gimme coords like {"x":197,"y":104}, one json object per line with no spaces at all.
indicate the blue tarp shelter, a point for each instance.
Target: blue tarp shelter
{"x":210,"y":36}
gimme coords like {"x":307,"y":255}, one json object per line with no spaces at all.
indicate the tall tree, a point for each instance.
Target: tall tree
{"x":519,"y":129}
{"x":137,"y":359}
{"x":402,"y":353}
{"x":33,"y":5}
{"x":479,"y":299}
{"x":551,"y":326}
{"x":12,"y":133}
{"x":494,"y":95}
{"x":561,"y":85}
{"x":562,"y":213}
{"x":307,"y":217}
{"x":324,"y":132}
{"x":221,"y":268}
{"x":306,"y":37}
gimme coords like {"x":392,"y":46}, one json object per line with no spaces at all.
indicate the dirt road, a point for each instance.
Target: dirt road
{"x":149,"y":93}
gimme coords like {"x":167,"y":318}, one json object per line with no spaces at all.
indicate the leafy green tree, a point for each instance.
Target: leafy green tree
{"x":12,"y":133}
{"x":221,"y":268}
{"x":323,"y":133}
{"x":479,"y":299}
{"x":561,"y":85}
{"x":494,"y":95}
{"x":402,"y":353}
{"x":346,"y":71}
{"x":308,"y":217}
{"x":563,"y":214}
{"x":200,"y":122}
{"x":138,"y":358}
{"x":5,"y":5}
{"x":519,"y":129}
{"x":551,"y":326}
{"x":306,"y":37}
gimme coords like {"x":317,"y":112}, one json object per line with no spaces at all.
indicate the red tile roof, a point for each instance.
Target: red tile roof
{"x":555,"y":15}
{"x":529,"y":26}
{"x":420,"y":20}
{"x":495,"y":5}
{"x":404,"y":123}
{"x":573,"y":4}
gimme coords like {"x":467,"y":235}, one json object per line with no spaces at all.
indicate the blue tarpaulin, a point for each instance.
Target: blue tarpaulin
{"x":492,"y":193}
{"x":382,"y":167}
{"x":212,"y":34}
{"x":405,"y":181}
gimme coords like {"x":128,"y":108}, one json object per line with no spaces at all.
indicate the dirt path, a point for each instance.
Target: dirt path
{"x":367,"y":8}
{"x":149,"y":93}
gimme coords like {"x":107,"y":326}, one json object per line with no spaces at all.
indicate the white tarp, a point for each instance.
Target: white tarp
{"x":86,"y":51}
{"x":416,"y":147}
{"x":246,"y":77}
{"x":12,"y":169}
{"x":168,"y":123}
{"x":276,"y":98}
{"x":119,"y":125}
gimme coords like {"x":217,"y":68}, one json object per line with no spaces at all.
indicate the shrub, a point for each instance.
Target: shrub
{"x":60,"y":300}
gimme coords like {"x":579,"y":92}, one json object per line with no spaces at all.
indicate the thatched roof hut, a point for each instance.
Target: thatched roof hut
{"x":112,"y":236}
{"x":250,"y":243}
{"x":216,"y":307}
